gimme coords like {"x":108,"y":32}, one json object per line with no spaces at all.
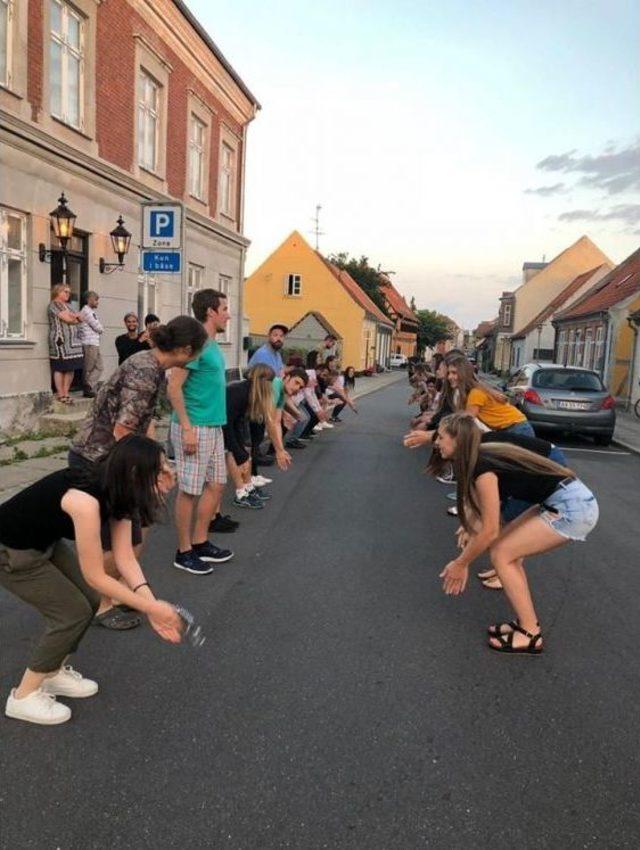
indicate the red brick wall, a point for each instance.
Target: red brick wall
{"x":115,"y":83}
{"x":35,"y":57}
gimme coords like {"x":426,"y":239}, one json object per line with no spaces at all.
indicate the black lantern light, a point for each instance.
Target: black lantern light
{"x":62,"y":221}
{"x":120,"y":240}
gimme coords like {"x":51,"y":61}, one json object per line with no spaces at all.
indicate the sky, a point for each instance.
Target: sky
{"x":447,"y":141}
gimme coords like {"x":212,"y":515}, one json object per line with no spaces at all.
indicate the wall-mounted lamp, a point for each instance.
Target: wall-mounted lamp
{"x":62,"y":220}
{"x":120,"y":240}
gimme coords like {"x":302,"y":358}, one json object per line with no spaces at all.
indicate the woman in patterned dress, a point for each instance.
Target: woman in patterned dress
{"x":65,"y":351}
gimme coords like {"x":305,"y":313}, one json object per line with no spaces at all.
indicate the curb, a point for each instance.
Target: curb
{"x":622,"y":445}
{"x":370,"y":390}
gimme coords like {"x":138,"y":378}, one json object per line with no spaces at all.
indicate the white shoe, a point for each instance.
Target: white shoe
{"x":327,"y":425}
{"x":69,"y":683}
{"x":317,"y":428}
{"x":38,"y":707}
{"x":260,"y":481}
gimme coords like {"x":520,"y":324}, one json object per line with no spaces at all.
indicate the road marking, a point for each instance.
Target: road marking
{"x":592,"y":451}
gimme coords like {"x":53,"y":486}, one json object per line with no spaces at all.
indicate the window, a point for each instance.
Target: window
{"x":6,"y":15}
{"x":571,"y":349}
{"x":562,"y":347}
{"x":579,"y":342}
{"x":226,"y":180}
{"x":148,"y":120}
{"x":294,"y":284}
{"x":13,"y":275}
{"x":197,"y":139}
{"x":588,"y":349}
{"x":195,"y":276}
{"x":147,"y":295}
{"x":506,"y":315}
{"x":224,"y":285}
{"x":598,"y":349}
{"x":66,"y":70}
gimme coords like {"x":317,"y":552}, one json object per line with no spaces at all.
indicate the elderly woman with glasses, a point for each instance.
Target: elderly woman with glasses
{"x":65,"y":350}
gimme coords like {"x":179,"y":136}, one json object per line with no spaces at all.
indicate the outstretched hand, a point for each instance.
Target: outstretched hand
{"x":415,"y":439}
{"x":455,"y":577}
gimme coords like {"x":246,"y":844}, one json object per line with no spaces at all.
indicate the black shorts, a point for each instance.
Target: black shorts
{"x":234,"y":440}
{"x":76,"y":461}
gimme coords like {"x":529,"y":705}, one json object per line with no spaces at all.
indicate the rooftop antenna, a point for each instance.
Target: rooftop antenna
{"x":316,"y":230}
{"x":544,"y":258}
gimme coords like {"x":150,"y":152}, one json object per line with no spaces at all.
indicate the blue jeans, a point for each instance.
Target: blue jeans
{"x":524,"y":428}
{"x":300,"y":425}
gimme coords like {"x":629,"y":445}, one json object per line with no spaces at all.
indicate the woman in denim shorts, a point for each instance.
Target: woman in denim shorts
{"x":563,"y":509}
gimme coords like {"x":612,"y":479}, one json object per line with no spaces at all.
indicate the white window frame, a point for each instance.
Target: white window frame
{"x":147,"y":113}
{"x":598,"y":348}
{"x":562,"y":346}
{"x":197,"y":153}
{"x":8,"y":46}
{"x":227,"y":180}
{"x":224,"y":286}
{"x":579,"y":348}
{"x":195,"y":278}
{"x":6,"y":254}
{"x":588,"y":349}
{"x":571,"y":348}
{"x":506,"y":315}
{"x":147,"y":286}
{"x":294,"y":285}
{"x":78,"y":53}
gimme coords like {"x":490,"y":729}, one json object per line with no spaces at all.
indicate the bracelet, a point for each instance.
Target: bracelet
{"x":142,"y":584}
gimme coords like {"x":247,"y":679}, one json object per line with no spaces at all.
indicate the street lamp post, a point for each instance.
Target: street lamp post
{"x":62,"y":221}
{"x":120,"y":241}
{"x":539,"y":329}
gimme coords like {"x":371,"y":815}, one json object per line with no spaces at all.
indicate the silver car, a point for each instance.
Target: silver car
{"x":564,"y":398}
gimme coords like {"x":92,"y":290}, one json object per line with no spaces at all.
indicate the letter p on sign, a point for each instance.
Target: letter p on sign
{"x":162,"y":224}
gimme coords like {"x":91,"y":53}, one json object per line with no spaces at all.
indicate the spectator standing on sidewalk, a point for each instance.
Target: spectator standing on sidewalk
{"x":128,"y":343}
{"x":151,"y":321}
{"x":89,"y":333}
{"x":198,"y":396}
{"x":65,"y":351}
{"x":269,"y":353}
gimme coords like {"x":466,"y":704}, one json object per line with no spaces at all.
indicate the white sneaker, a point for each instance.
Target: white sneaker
{"x":260,"y":481}
{"x":327,"y":425}
{"x":317,"y":428}
{"x":69,"y":683}
{"x":38,"y":707}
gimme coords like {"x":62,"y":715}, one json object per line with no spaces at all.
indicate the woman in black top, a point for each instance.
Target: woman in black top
{"x":563,"y":509}
{"x":41,"y":569}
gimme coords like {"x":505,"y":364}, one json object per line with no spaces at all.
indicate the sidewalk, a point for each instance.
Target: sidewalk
{"x":16,"y":476}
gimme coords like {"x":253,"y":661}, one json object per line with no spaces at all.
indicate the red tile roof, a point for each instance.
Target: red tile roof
{"x":619,"y":284}
{"x":396,"y":301}
{"x":557,"y":302}
{"x":356,"y":292}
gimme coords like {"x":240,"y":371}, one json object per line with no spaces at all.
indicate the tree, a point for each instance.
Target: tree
{"x":432,"y":328}
{"x":364,"y":275}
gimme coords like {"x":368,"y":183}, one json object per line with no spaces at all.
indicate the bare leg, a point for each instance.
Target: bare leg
{"x":235,"y":472}
{"x":58,"y":381}
{"x":529,"y":535}
{"x":30,"y":682}
{"x":208,"y":507}
{"x":184,"y":517}
{"x":68,"y":380}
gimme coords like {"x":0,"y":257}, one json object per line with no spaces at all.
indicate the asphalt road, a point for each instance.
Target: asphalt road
{"x":341,"y":700}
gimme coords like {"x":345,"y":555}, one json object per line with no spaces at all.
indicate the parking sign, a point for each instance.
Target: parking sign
{"x":162,"y":226}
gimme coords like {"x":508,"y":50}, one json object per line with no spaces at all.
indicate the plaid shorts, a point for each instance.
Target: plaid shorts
{"x":206,"y":466}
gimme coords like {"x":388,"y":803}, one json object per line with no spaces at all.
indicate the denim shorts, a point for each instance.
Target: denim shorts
{"x":571,"y":510}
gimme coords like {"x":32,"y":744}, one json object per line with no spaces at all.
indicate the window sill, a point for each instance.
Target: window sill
{"x":17,"y":343}
{"x":72,"y":128}
{"x":227,"y":217}
{"x":5,"y":88}
{"x":145,"y":170}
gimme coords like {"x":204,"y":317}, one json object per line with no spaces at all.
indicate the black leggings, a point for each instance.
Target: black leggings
{"x":313,"y":419}
{"x":256,"y":430}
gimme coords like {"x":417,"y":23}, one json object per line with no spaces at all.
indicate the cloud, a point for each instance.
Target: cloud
{"x":547,"y":191}
{"x":613,"y":171}
{"x":628,"y":214}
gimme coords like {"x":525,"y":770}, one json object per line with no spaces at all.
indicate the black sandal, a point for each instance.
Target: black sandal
{"x":495,"y":631}
{"x":506,"y":642}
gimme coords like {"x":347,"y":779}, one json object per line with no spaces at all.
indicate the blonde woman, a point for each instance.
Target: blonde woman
{"x":562,"y":509}
{"x":251,"y":401}
{"x":65,"y":350}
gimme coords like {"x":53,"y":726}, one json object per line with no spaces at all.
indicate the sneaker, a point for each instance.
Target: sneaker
{"x":327,"y":426}
{"x":447,"y":478}
{"x":260,"y":480}
{"x":191,"y":563}
{"x":295,"y":444}
{"x":261,"y":494}
{"x":452,"y":496}
{"x":247,"y":502}
{"x":266,"y":460}
{"x":208,"y":552}
{"x":38,"y":707}
{"x":452,"y":511}
{"x":223,"y":524}
{"x":317,"y":428}
{"x":69,"y":683}
{"x":335,"y":419}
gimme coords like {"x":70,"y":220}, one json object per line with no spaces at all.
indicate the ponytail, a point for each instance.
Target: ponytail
{"x":181,"y":332}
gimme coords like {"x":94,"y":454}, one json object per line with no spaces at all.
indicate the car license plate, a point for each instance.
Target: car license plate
{"x":574,"y":405}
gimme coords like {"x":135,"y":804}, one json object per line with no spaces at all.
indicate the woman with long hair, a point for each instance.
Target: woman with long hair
{"x":562,"y":509}
{"x":252,"y":401}
{"x":39,"y":567}
{"x":486,"y":403}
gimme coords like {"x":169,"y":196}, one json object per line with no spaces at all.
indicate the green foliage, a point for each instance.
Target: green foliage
{"x":432,"y":328}
{"x":364,"y":275}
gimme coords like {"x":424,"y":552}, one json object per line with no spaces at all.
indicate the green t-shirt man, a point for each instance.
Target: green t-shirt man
{"x":277,"y":388}
{"x":204,"y":391}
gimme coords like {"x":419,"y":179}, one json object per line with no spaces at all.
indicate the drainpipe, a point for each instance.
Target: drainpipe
{"x":243,"y":254}
{"x":632,"y":321}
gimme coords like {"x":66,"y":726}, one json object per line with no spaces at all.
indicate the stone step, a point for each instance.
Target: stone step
{"x":62,"y":423}
{"x":79,"y":404}
{"x":33,"y":448}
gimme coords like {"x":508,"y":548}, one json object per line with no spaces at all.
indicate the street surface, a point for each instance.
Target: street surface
{"x":341,"y":700}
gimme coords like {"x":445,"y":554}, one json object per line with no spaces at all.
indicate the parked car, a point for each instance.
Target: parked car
{"x":564,"y":398}
{"x":397,"y":361}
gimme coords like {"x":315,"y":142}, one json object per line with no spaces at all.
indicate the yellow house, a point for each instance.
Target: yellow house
{"x":295,"y":280}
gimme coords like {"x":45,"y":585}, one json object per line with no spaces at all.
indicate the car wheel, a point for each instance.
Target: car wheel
{"x":603,"y":439}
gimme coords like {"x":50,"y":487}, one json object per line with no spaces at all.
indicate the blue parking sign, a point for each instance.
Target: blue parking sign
{"x":162,"y":226}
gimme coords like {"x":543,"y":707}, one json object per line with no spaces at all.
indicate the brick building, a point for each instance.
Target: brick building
{"x":405,"y":322}
{"x":114,"y":104}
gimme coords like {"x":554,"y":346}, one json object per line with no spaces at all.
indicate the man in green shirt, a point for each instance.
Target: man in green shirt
{"x":198,"y":396}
